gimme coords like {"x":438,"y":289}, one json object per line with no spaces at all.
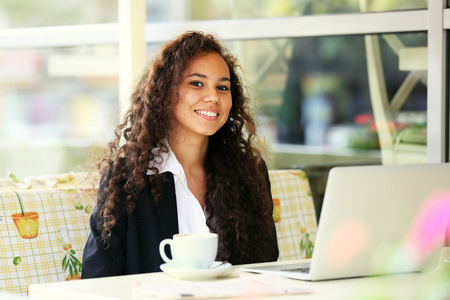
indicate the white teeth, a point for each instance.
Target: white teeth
{"x":206,"y":113}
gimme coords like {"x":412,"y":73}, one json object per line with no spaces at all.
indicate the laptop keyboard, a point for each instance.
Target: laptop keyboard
{"x":301,"y":270}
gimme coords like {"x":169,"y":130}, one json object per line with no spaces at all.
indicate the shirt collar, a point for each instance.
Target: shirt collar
{"x":166,"y":163}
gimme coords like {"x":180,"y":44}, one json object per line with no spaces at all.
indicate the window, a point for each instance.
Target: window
{"x":222,"y":10}
{"x":314,"y":100}
{"x":40,"y":13}
{"x":55,"y":104}
{"x":312,"y":55}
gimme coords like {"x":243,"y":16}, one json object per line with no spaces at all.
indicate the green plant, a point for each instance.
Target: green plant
{"x":20,"y":202}
{"x":306,"y":246}
{"x":70,"y":263}
{"x":14,"y":177}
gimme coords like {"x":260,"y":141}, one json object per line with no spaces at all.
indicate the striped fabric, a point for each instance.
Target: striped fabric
{"x":55,"y":228}
{"x":294,"y":213}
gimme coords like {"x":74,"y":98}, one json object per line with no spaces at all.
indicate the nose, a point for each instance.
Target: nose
{"x":211,"y":96}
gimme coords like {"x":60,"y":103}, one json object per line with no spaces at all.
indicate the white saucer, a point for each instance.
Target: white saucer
{"x":196,"y":274}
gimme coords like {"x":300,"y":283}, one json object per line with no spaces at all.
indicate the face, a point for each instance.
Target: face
{"x":205,"y":97}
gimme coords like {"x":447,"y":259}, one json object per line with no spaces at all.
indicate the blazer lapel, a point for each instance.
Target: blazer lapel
{"x":166,"y":207}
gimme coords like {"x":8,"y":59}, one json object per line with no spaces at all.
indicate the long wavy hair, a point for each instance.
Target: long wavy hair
{"x":238,"y":203}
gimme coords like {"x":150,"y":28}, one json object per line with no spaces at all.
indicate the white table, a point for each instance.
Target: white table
{"x":404,"y":286}
{"x":12,"y":296}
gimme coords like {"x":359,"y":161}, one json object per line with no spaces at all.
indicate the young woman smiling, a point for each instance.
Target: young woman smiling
{"x":188,"y":163}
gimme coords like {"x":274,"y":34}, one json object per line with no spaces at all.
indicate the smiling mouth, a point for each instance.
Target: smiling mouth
{"x":207,"y":113}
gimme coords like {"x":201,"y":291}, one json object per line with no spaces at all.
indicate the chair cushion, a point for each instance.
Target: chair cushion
{"x":294,"y":213}
{"x":53,"y":234}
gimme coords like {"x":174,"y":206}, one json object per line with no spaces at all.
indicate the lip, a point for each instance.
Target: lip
{"x":206,"y":116}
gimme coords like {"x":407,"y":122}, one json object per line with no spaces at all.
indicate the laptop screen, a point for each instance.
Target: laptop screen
{"x":380,"y":220}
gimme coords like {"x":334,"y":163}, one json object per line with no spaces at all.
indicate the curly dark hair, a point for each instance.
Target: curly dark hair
{"x":238,"y":202}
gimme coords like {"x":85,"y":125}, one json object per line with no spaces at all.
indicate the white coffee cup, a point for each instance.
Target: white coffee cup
{"x":191,"y":250}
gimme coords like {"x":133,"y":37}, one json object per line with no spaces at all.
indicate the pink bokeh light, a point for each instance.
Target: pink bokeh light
{"x":347,"y":241}
{"x":428,"y":229}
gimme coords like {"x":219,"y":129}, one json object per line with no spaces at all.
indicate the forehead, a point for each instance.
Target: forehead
{"x":210,"y":63}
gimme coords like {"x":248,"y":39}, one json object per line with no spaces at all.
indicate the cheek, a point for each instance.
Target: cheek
{"x":182,"y":105}
{"x":179,"y":111}
{"x":228,"y":105}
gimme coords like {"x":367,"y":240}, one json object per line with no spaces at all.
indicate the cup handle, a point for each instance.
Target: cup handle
{"x":162,"y":251}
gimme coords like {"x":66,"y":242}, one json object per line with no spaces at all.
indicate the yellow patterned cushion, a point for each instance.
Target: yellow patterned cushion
{"x":55,"y":229}
{"x":43,"y":249}
{"x":294,"y":213}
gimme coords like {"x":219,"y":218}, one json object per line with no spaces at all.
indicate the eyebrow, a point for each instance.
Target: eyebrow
{"x":204,"y":76}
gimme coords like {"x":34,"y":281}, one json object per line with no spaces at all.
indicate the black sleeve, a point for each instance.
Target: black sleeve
{"x":100,"y":258}
{"x":272,"y":252}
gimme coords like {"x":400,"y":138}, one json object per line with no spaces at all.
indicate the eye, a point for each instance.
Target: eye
{"x":223,"y":88}
{"x":196,"y":83}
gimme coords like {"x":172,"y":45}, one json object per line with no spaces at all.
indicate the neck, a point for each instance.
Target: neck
{"x":191,"y":153}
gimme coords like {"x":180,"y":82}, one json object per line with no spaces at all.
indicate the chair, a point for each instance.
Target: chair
{"x":406,"y":146}
{"x":294,"y":213}
{"x":42,"y":236}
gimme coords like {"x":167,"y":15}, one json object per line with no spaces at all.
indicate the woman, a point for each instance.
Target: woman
{"x":187,"y":164}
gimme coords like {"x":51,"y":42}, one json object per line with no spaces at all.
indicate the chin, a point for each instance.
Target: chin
{"x":209,"y":132}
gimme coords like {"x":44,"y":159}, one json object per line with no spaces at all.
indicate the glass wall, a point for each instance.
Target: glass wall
{"x":39,"y":13}
{"x":55,"y":103}
{"x":216,"y":9}
{"x":176,"y":10}
{"x":315,"y":94}
{"x":314,"y":101}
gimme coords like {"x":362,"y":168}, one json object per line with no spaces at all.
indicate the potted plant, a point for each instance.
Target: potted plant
{"x":27,"y":223}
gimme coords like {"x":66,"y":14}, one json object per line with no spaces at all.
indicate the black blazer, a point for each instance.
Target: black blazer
{"x":134,"y":242}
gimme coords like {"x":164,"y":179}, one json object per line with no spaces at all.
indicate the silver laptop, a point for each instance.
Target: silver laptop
{"x":370,"y":223}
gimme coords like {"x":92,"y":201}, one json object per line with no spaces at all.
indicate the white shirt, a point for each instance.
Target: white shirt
{"x":191,"y":217}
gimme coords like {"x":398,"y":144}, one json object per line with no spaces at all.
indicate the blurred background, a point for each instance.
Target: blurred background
{"x":311,"y":93}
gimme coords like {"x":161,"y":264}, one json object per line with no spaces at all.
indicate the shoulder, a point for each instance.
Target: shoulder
{"x":263,"y":165}
{"x":108,"y":173}
{"x":162,"y":185}
{"x":165,"y":178}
